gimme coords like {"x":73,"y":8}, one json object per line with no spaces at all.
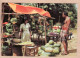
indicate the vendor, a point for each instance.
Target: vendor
{"x":64,"y":32}
{"x":25,"y":30}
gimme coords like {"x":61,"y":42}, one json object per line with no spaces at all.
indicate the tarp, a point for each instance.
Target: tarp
{"x":28,"y":10}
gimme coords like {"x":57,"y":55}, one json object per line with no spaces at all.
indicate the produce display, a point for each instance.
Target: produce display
{"x":9,"y":27}
{"x":49,"y":49}
{"x":13,"y":20}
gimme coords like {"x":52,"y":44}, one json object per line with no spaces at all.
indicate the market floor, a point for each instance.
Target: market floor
{"x":72,"y":45}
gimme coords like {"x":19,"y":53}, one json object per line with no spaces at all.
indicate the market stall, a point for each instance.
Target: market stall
{"x":42,"y":29}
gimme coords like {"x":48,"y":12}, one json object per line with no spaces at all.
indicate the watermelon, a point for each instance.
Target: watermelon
{"x":52,"y":54}
{"x":43,"y":47}
{"x":48,"y":49}
{"x":47,"y":44}
{"x":57,"y":45}
{"x":51,"y":42}
{"x":56,"y":50}
{"x":45,"y":54}
{"x":40,"y":51}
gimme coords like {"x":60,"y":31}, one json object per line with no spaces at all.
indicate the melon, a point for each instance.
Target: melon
{"x":43,"y":47}
{"x":56,"y":50}
{"x":40,"y":51}
{"x":57,"y":45}
{"x":47,"y":44}
{"x":45,"y":54}
{"x":51,"y":42}
{"x":52,"y":54}
{"x":48,"y":49}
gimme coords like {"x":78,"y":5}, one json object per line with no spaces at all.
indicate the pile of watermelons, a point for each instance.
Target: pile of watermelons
{"x":50,"y":49}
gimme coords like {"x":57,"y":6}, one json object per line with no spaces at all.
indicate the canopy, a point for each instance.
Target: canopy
{"x":28,"y":10}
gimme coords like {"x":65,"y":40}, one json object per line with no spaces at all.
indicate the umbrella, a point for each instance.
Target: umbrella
{"x":28,"y":10}
{"x":5,"y":23}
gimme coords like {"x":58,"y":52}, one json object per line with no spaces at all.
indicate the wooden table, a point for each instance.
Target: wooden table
{"x":24,"y":48}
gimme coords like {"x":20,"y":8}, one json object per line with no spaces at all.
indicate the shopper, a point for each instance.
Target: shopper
{"x":64,"y":32}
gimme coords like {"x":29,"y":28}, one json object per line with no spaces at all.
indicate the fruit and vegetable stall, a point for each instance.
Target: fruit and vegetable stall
{"x":44,"y":36}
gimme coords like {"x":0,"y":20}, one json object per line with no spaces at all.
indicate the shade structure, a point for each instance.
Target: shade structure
{"x":28,"y":10}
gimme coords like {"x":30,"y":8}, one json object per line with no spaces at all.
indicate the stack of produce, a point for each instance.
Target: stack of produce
{"x":9,"y":27}
{"x":8,"y":30}
{"x":13,"y":20}
{"x":50,"y":49}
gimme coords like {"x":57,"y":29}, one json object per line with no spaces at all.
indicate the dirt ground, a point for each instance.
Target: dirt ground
{"x":72,"y":44}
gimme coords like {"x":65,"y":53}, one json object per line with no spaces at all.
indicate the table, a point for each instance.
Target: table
{"x":25,"y":48}
{"x":32,"y":51}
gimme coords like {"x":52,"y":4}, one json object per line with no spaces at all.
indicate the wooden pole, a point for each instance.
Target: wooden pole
{"x":2,"y":18}
{"x":45,"y":29}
